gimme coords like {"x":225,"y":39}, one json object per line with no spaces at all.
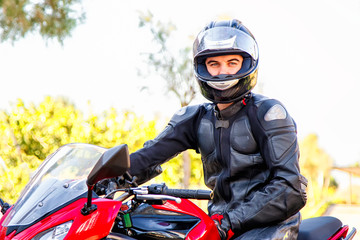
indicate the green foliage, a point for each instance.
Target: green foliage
{"x":173,"y":174}
{"x":333,"y":183}
{"x":30,"y":133}
{"x":51,"y":18}
{"x":316,"y":166}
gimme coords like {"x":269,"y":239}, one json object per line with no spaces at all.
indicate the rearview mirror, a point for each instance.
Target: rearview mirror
{"x":114,"y":162}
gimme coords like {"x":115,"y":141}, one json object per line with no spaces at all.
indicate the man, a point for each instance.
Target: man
{"x":247,"y":142}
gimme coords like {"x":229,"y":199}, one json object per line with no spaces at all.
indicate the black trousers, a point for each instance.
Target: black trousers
{"x":286,"y":230}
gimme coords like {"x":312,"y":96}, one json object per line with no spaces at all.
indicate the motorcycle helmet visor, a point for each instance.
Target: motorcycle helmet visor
{"x":225,"y":40}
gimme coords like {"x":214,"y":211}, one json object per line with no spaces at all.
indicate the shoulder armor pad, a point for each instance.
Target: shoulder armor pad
{"x":276,"y":112}
{"x":272,"y":114}
{"x":185,"y":113}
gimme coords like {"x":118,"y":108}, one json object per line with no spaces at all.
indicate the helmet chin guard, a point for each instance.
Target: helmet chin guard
{"x":222,"y":85}
{"x":235,"y":91}
{"x":226,"y":38}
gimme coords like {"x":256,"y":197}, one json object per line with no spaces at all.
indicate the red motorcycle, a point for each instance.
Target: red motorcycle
{"x":75,"y":195}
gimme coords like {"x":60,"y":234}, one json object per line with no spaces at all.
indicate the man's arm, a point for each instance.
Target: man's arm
{"x":284,"y":195}
{"x":179,"y":135}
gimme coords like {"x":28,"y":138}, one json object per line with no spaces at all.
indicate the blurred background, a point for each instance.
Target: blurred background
{"x":111,"y":72}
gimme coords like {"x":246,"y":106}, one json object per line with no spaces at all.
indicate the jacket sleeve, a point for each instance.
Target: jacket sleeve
{"x":284,"y":194}
{"x":177,"y":136}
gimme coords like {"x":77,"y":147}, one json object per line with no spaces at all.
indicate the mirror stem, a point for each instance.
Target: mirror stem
{"x":89,"y":207}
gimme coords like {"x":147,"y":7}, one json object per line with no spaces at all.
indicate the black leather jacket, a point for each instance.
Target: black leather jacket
{"x":250,"y":159}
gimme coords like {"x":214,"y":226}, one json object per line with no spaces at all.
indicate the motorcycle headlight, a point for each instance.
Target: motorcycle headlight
{"x":56,"y":233}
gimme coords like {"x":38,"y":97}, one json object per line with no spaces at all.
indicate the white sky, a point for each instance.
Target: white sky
{"x":309,"y":60}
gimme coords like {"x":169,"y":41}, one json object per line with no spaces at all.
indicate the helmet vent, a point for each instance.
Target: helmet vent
{"x":222,"y":77}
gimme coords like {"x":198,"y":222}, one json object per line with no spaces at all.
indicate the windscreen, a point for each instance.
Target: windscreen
{"x":60,"y":179}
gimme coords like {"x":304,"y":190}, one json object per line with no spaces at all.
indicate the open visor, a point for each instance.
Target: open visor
{"x":223,"y":40}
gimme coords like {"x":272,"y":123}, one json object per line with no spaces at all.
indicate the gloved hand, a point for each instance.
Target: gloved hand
{"x":225,"y":234}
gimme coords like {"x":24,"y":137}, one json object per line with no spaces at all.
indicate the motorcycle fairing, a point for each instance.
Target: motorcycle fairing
{"x":96,"y":225}
{"x":204,"y":230}
{"x":196,"y":223}
{"x":20,"y":228}
{"x":151,"y":223}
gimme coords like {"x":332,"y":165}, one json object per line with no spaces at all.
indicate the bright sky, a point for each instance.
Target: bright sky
{"x":309,"y":54}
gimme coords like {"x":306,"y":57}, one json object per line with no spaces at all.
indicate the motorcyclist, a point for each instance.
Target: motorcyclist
{"x":248,"y":142}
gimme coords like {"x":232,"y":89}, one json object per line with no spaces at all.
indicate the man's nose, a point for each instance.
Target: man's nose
{"x":224,"y":69}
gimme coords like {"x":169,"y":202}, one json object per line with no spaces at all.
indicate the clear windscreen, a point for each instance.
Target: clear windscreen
{"x":60,"y":179}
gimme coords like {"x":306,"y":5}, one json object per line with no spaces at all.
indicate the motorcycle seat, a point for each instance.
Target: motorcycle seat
{"x":318,"y":228}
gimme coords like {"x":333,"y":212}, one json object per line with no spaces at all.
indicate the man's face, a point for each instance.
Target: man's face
{"x":226,"y":64}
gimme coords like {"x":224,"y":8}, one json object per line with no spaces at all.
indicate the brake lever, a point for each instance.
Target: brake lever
{"x":157,"y":197}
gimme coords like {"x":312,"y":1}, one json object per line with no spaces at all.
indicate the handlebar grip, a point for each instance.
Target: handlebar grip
{"x":189,"y":193}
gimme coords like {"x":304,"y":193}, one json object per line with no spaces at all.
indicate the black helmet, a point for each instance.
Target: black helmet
{"x":226,"y":38}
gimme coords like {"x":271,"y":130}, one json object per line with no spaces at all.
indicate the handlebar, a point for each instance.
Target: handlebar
{"x":188,"y":193}
{"x":180,"y":193}
{"x":162,"y":192}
